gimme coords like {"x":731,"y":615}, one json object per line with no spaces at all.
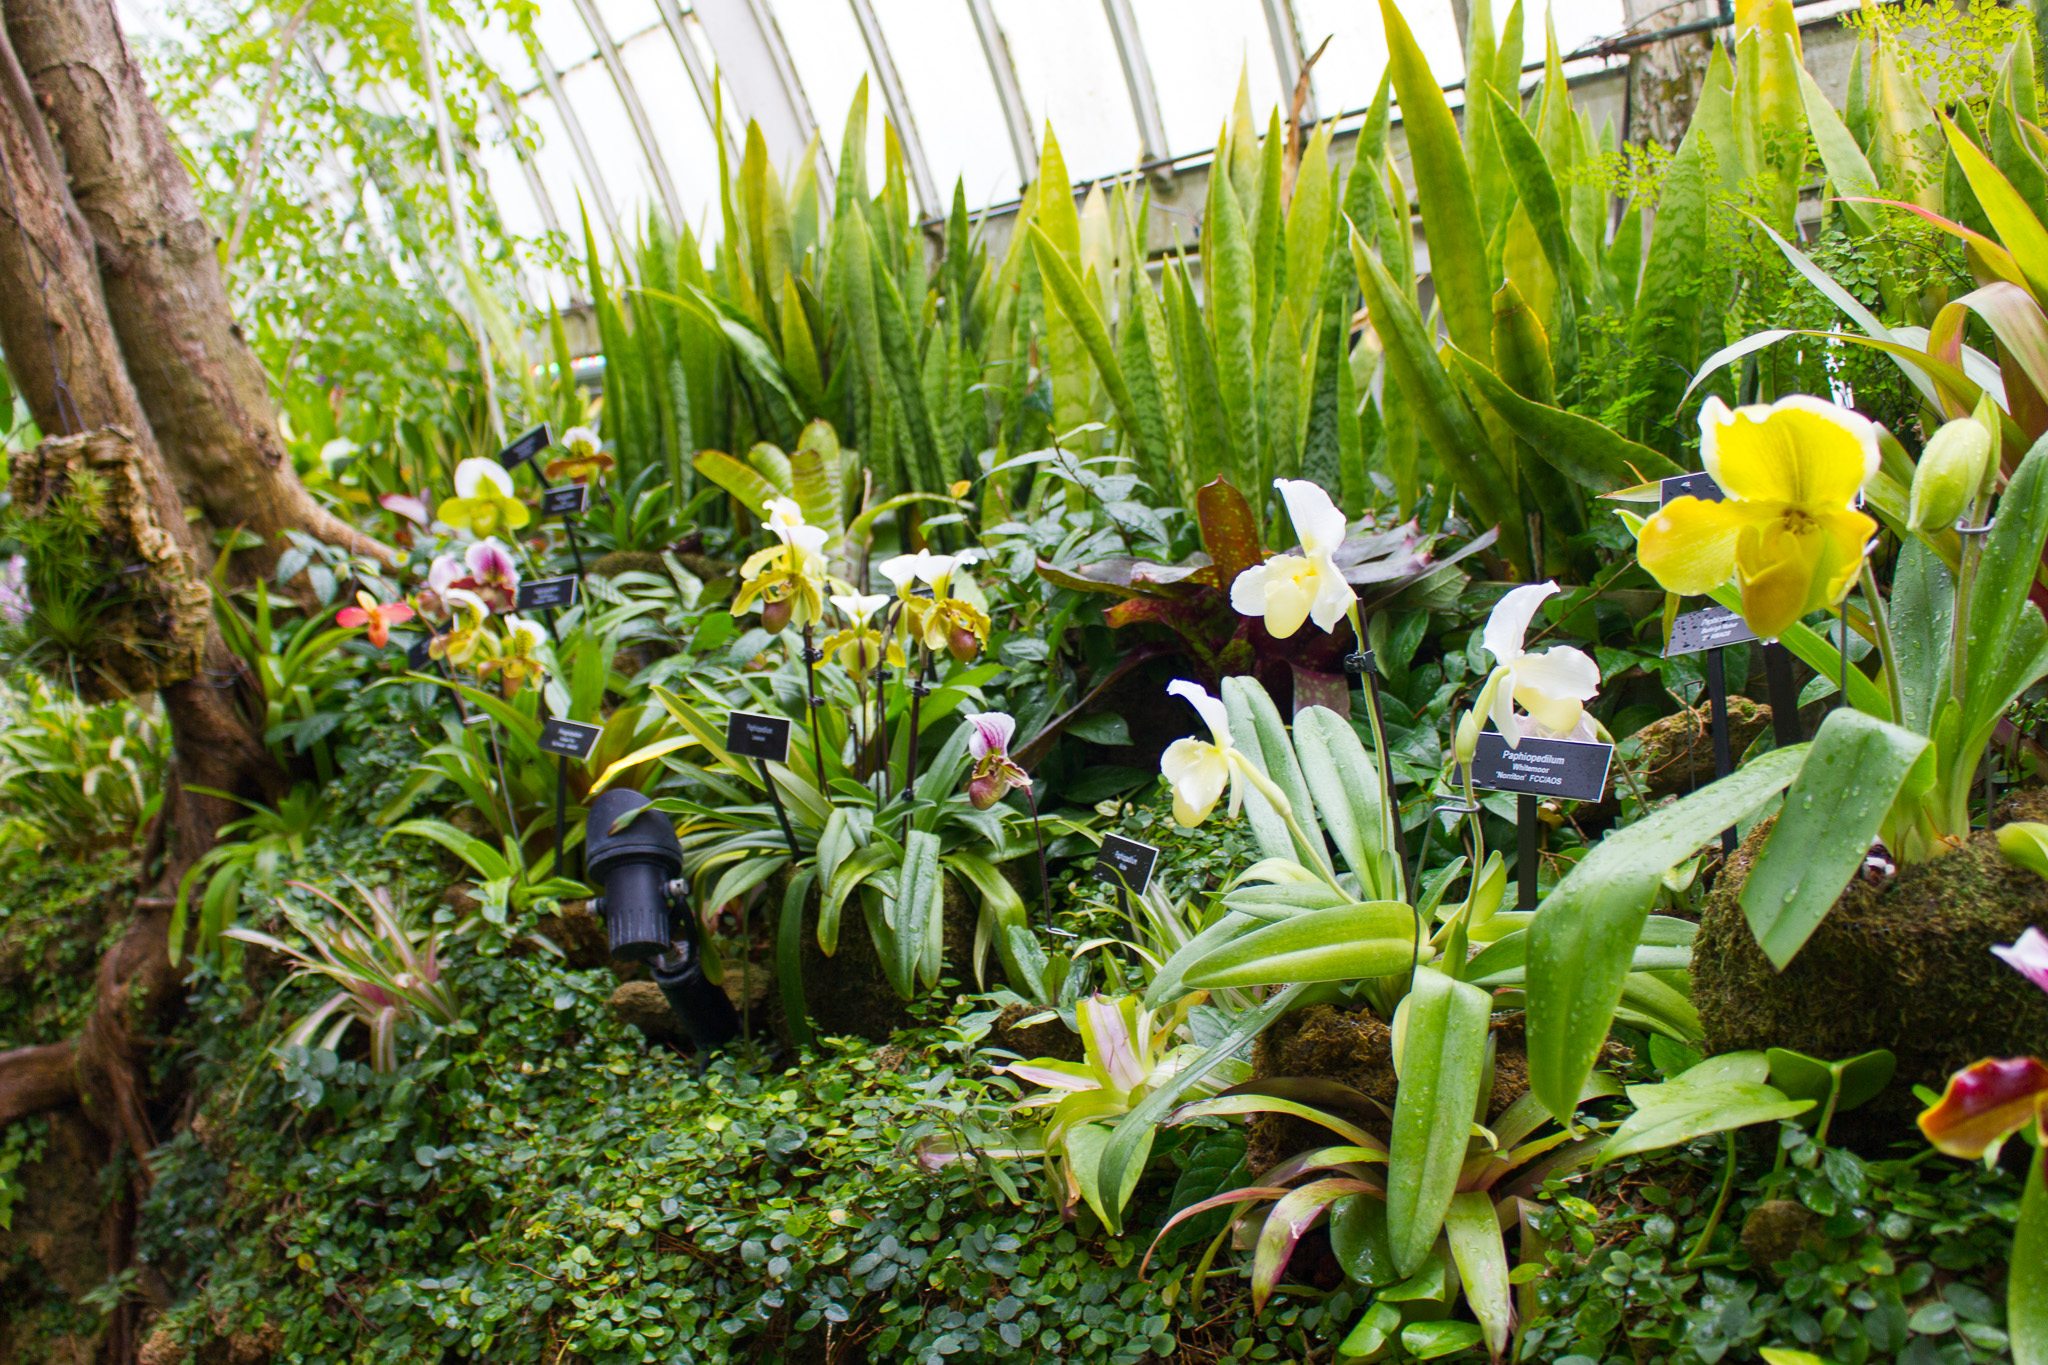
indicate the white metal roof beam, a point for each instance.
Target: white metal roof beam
{"x":1016,"y":117}
{"x":636,"y":112}
{"x":1287,"y":53}
{"x":759,"y":75}
{"x":579,"y":143}
{"x":898,"y":104}
{"x":701,"y":79}
{"x":1130,"y":50}
{"x":508,"y":118}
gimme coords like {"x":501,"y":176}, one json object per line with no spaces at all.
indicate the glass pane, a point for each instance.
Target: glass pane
{"x":1349,"y":71}
{"x":952,"y":99}
{"x":562,"y":33}
{"x":1066,"y":61}
{"x":1196,"y":49}
{"x":680,"y":128}
{"x":825,"y":45}
{"x":612,"y":141}
{"x":626,"y":20}
{"x":559,"y":171}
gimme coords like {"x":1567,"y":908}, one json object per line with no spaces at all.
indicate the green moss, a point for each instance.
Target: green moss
{"x":1903,"y":964}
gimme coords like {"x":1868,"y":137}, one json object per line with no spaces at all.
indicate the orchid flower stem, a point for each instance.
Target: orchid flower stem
{"x":1881,"y":622}
{"x":811,"y":657}
{"x":1390,"y":814}
{"x":1285,"y":809}
{"x":504,"y":784}
{"x":1720,"y":1202}
{"x":1038,"y":834}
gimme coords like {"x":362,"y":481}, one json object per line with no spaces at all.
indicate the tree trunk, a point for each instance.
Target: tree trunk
{"x":72,"y":369}
{"x":206,"y":396}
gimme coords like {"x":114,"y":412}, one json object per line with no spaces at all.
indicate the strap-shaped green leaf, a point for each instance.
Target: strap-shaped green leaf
{"x":1442,"y":1061}
{"x":1585,"y":933}
{"x":1852,"y":774}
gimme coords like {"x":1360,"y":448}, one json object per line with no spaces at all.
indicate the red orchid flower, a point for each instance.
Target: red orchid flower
{"x":1986,"y":1103}
{"x":377,"y":617}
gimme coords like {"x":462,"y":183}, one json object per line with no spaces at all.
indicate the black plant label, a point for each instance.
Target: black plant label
{"x":749,"y":735}
{"x":526,"y":447}
{"x":1713,"y":627}
{"x":544,"y":593}
{"x":1569,"y":769}
{"x":568,"y":738}
{"x":571,"y":499}
{"x":1126,"y":861}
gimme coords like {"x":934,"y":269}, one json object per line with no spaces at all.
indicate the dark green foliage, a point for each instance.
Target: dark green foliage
{"x":1902,"y":1260}
{"x":540,"y":1184}
{"x":1905,"y":966}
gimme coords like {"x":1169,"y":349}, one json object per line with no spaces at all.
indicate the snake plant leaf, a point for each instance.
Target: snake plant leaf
{"x":1440,"y":411}
{"x":1847,"y":168}
{"x":1443,"y":183}
{"x":1833,"y":809}
{"x":1585,"y":933}
{"x":1589,"y":453}
{"x":1442,"y":1058}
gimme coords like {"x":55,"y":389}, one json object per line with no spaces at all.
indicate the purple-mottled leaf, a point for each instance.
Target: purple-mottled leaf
{"x":1292,"y":1216}
{"x":1331,"y":691}
{"x":1230,"y":532}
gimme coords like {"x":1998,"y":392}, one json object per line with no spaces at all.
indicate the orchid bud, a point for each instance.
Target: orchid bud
{"x":775,"y":616}
{"x":962,"y":644}
{"x":1950,"y":471}
{"x":1466,"y":743}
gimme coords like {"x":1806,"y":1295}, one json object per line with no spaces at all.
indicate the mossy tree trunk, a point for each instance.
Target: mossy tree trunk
{"x":114,"y":322}
{"x":203,"y":390}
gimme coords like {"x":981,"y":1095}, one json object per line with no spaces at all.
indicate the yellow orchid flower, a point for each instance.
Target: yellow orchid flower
{"x":1788,"y":532}
{"x":859,"y":647}
{"x":955,"y":622}
{"x":484,"y":502}
{"x":464,"y":637}
{"x":787,"y":579}
{"x":516,"y":658}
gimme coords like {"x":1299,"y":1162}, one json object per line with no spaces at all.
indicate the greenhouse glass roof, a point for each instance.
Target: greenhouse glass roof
{"x":622,"y":96}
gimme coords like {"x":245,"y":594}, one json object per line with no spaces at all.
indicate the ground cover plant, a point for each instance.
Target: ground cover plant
{"x":981,"y":796}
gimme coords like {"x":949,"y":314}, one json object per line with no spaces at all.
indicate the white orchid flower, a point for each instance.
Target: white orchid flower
{"x":925,"y":567}
{"x":1552,"y":687}
{"x":859,"y":607}
{"x":1200,"y":771}
{"x":579,"y":440}
{"x":784,"y":516}
{"x":477,"y":476}
{"x":1291,"y":588}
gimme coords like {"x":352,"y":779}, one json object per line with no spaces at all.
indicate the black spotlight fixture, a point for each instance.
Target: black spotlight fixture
{"x":639,"y":863}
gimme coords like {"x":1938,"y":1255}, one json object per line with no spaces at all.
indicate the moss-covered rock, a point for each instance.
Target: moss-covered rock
{"x":1352,"y":1047}
{"x":1048,"y":1037}
{"x":848,"y":993}
{"x":1903,"y":962}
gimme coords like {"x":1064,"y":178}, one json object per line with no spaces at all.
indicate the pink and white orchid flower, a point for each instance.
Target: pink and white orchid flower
{"x":2028,"y":956}
{"x":995,"y":773}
